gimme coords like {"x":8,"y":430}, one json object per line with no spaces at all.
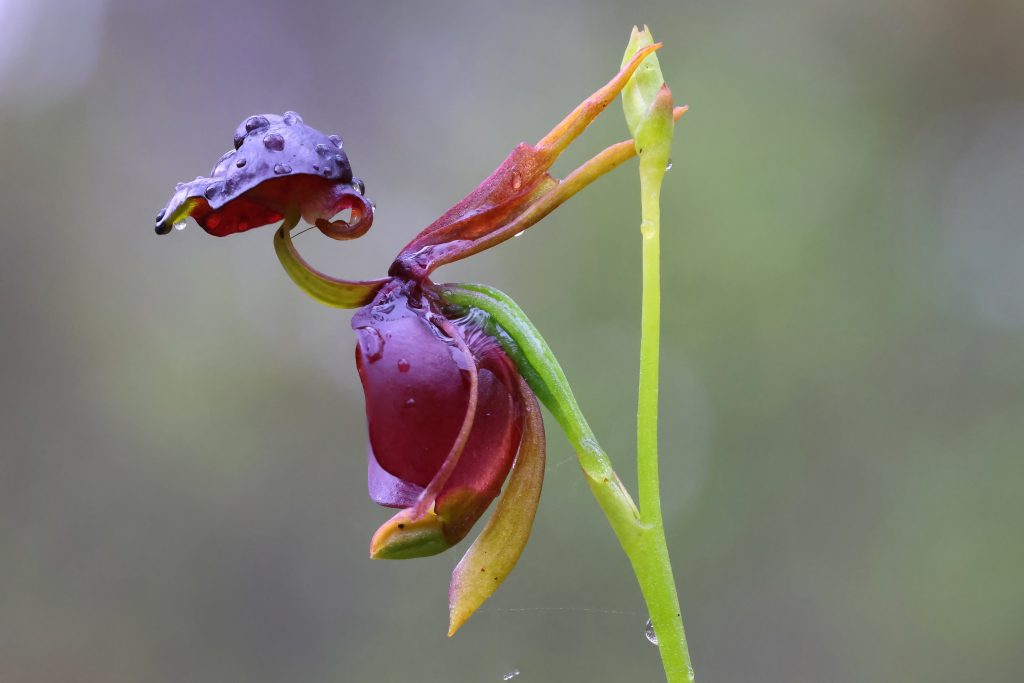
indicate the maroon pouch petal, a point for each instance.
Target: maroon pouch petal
{"x":416,"y":394}
{"x":489,"y":451}
{"x":417,"y":385}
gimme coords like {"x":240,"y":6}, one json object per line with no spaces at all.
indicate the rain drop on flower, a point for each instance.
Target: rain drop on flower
{"x":668,"y":166}
{"x":273,"y":141}
{"x":255,"y":123}
{"x":649,"y":632}
{"x":510,"y":675}
{"x":180,"y":225}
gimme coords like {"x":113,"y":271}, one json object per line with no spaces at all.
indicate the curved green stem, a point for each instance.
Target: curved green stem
{"x":540,"y":368}
{"x":642,"y":541}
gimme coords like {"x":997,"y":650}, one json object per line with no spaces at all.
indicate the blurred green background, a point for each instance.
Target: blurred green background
{"x":182,"y":444}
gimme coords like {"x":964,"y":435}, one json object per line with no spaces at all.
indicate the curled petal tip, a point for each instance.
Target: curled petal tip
{"x":359,"y":223}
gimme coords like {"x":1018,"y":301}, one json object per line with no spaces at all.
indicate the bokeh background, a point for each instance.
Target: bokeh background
{"x":182,"y":472}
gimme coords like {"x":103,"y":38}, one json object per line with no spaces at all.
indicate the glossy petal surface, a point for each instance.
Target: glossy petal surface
{"x":278,"y":162}
{"x":415,"y":378}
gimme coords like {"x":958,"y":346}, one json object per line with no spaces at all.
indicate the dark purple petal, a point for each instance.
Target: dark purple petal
{"x":278,"y":162}
{"x":416,"y":395}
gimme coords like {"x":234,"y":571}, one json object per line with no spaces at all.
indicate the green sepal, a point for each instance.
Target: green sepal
{"x":497,"y":549}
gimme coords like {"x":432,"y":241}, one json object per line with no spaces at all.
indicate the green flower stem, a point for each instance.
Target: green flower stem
{"x":643,"y":543}
{"x":647,"y":105}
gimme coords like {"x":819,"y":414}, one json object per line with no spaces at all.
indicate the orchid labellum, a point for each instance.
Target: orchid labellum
{"x":451,"y":418}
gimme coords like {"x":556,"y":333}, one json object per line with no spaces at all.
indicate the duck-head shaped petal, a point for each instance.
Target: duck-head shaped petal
{"x":278,"y":165}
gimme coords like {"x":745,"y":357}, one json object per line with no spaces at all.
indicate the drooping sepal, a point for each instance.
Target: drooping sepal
{"x":496,"y":550}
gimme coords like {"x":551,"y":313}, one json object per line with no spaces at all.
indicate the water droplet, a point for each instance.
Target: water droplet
{"x":649,"y":633}
{"x":281,"y":169}
{"x":336,"y":140}
{"x":510,"y":675}
{"x":321,"y":149}
{"x":213,"y":190}
{"x":358,"y":185}
{"x":403,"y":365}
{"x":668,"y":166}
{"x":160,"y":216}
{"x":371,"y":343}
{"x":291,"y":118}
{"x":179,"y":225}
{"x":410,"y":402}
{"x":240,"y":163}
{"x":255,"y":123}
{"x":517,"y":180}
{"x":327,"y":172}
{"x":518,"y":233}
{"x":273,"y":141}
{"x":340,"y":158}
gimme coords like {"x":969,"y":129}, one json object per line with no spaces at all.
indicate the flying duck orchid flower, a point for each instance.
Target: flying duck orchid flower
{"x":451,"y":407}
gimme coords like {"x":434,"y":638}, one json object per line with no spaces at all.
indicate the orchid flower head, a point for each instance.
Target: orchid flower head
{"x":451,"y":419}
